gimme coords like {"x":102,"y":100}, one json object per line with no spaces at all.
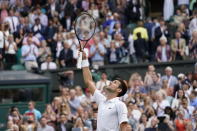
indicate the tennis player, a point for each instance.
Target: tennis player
{"x":112,"y":113}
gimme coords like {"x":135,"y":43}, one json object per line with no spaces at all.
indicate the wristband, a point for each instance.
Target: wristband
{"x":85,"y":63}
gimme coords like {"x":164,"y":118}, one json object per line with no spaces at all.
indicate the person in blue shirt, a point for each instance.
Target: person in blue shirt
{"x":193,"y":97}
{"x":31,"y":109}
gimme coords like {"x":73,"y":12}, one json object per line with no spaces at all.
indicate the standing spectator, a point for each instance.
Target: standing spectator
{"x":193,"y":98}
{"x":2,"y":41}
{"x":184,"y":32}
{"x":188,"y":110}
{"x":44,"y":51}
{"x":180,"y":121}
{"x":10,"y":51}
{"x":50,"y":32}
{"x":66,"y":56}
{"x":140,"y":29}
{"x":34,"y":39}
{"x":29,"y":54}
{"x":113,"y":53}
{"x":39,"y":15}
{"x":103,"y":82}
{"x":12,"y":20}
{"x":74,"y":102}
{"x":132,"y":55}
{"x":192,"y":24}
{"x":163,"y":53}
{"x":44,"y":126}
{"x":79,"y":93}
{"x":64,"y":124}
{"x":97,"y":52}
{"x":193,"y":46}
{"x":160,"y":104}
{"x":172,"y":80}
{"x":48,"y":64}
{"x":148,"y":79}
{"x":168,"y":9}
{"x":143,"y":123}
{"x":38,"y":29}
{"x":178,"y":46}
{"x":156,"y":85}
{"x":176,"y":102}
{"x":141,"y":48}
{"x":50,"y":115}
{"x":161,"y":30}
{"x":32,"y":109}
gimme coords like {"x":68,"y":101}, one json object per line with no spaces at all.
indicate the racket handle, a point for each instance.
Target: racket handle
{"x":79,"y":60}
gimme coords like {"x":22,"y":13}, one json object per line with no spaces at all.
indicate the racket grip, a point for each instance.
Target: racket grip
{"x":79,"y":60}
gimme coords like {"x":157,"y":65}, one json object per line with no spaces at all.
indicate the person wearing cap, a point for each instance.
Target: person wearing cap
{"x":112,"y":113}
{"x":163,"y":53}
{"x":172,"y":80}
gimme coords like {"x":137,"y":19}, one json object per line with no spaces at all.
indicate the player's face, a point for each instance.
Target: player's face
{"x":113,"y":87}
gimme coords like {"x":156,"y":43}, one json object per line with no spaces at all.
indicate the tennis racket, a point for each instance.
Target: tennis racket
{"x":84,"y":27}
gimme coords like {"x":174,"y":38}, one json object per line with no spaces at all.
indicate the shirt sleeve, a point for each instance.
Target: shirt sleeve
{"x":98,"y":97}
{"x":122,"y":113}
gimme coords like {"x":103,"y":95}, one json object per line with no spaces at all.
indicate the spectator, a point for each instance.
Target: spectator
{"x":143,"y":123}
{"x":49,"y":115}
{"x":156,"y":85}
{"x":172,"y":80}
{"x":192,"y":25}
{"x":10,"y":51}
{"x":168,"y":9}
{"x":66,"y":56}
{"x":48,"y":64}
{"x":178,"y":46}
{"x":64,"y":124}
{"x":29,"y":122}
{"x":193,"y":45}
{"x":79,"y":93}
{"x":163,"y":53}
{"x":113,"y":53}
{"x":140,"y":29}
{"x":193,"y":98}
{"x":188,"y":110}
{"x":148,"y":80}
{"x":180,"y":121}
{"x":176,"y":103}
{"x":44,"y":126}
{"x":11,"y":126}
{"x":103,"y":82}
{"x":29,"y":54}
{"x":44,"y":51}
{"x":97,"y":52}
{"x":38,"y":29}
{"x":12,"y":20}
{"x":141,"y":48}
{"x":73,"y":101}
{"x":32,"y":109}
{"x":1,"y":46}
{"x":35,"y":40}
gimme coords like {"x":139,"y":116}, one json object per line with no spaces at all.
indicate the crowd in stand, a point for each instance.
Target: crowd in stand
{"x":32,"y":31}
{"x":156,"y":102}
{"x":39,"y":34}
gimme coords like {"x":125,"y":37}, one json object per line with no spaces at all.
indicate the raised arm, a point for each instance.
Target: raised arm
{"x":87,"y":75}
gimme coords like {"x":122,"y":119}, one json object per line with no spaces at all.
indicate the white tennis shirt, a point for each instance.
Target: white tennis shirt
{"x":111,"y":113}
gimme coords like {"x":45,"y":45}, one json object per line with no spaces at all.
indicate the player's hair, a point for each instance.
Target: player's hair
{"x":122,"y":86}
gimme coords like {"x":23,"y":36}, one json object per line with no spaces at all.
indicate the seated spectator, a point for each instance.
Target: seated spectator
{"x":163,"y":53}
{"x":30,"y":53}
{"x":97,"y":52}
{"x":141,"y":48}
{"x":48,"y":64}
{"x":10,"y":51}
{"x":66,"y":57}
{"x":178,"y":46}
{"x":64,"y":124}
{"x":44,"y":126}
{"x":32,"y":109}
